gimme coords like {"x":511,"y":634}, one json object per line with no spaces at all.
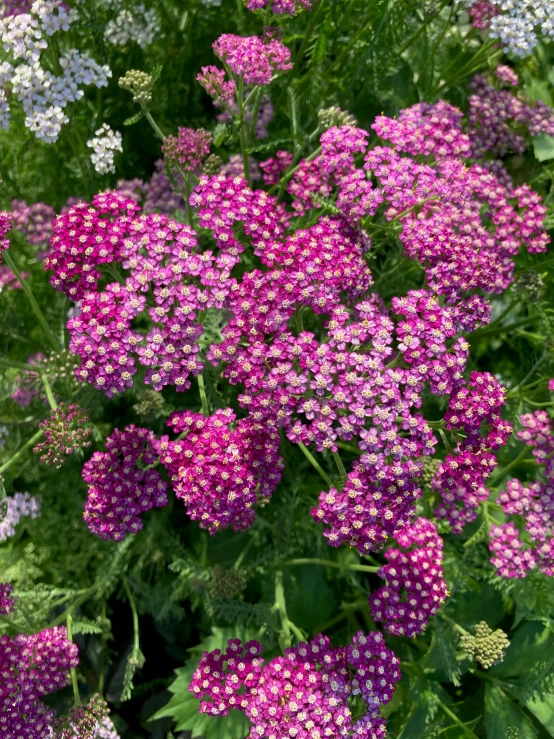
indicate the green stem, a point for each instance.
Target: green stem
{"x":80,"y":600}
{"x":455,"y":718}
{"x":9,"y":364}
{"x":255,"y":110}
{"x":298,"y":319}
{"x":499,"y":474}
{"x":331,"y":563}
{"x":21,"y":452}
{"x":190,"y":216}
{"x":242,"y":556}
{"x":281,"y":606}
{"x":502,"y":329}
{"x":48,"y":390}
{"x":133,"y":606}
{"x":31,"y":298}
{"x":74,"y":682}
{"x":315,"y":464}
{"x":242,"y":132}
{"x":203,"y":396}
{"x":157,"y":130}
{"x":341,"y":468}
{"x":452,"y":623}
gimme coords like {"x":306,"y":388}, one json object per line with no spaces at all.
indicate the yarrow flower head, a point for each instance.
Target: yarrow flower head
{"x":220,"y":469}
{"x":280,"y":7}
{"x":415,"y":587}
{"x":487,"y":647}
{"x":5,"y":227}
{"x":214,"y":81}
{"x":7,"y":600}
{"x":140,"y":25}
{"x":85,"y":722}
{"x":104,"y":145}
{"x":65,"y":432}
{"x":189,"y":148}
{"x":33,"y":666}
{"x":19,"y":506}
{"x":139,"y":85}
{"x":516,"y":549}
{"x":303,"y":693}
{"x":120,"y":488}
{"x":34,"y":222}
{"x":257,"y":60}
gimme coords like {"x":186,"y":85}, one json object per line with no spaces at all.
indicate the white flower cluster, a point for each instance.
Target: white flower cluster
{"x":139,"y":25}
{"x":43,"y":94}
{"x":104,"y":146}
{"x":211,"y":3}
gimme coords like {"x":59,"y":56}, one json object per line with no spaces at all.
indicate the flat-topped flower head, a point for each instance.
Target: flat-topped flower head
{"x":257,"y":60}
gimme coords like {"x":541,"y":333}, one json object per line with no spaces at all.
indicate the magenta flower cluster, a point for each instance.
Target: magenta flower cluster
{"x":415,"y":585}
{"x":121,"y":488}
{"x":219,"y":468}
{"x":5,"y":228}
{"x":460,"y":480}
{"x":305,"y":693}
{"x":280,"y":7}
{"x":496,"y":116}
{"x":214,"y":81}
{"x":515,"y":552}
{"x":256,"y":60}
{"x":32,"y":667}
{"x":7,"y":600}
{"x":65,"y":431}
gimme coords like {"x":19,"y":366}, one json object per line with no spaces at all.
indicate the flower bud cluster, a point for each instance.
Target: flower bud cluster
{"x":149,"y":406}
{"x":65,"y":432}
{"x":226,"y":583}
{"x":487,"y":647}
{"x":304,"y":693}
{"x":139,"y":85}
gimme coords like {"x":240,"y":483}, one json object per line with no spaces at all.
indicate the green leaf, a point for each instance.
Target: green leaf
{"x":543,"y":144}
{"x":309,"y":586}
{"x":134,"y":119}
{"x":220,"y":134}
{"x":502,"y":714}
{"x":85,"y":626}
{"x":529,"y":645}
{"x":544,"y":711}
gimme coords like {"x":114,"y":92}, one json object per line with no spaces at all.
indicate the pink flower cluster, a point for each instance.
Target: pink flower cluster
{"x":65,"y":431}
{"x":221,"y":469}
{"x":34,"y":222}
{"x":280,"y":7}
{"x":169,"y":285}
{"x":214,"y":81}
{"x":305,"y":693}
{"x":437,"y":206}
{"x":515,"y":553}
{"x":494,"y":113}
{"x":415,"y":587}
{"x":5,"y":227}
{"x":461,"y":477}
{"x":120,"y":488}
{"x":189,"y":148}
{"x":31,"y":667}
{"x":482,"y":12}
{"x":257,"y":60}
{"x":7,"y":604}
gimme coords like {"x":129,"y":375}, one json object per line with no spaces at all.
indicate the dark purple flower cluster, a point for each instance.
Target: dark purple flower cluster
{"x":65,"y":431}
{"x":305,"y":693}
{"x":415,"y":587}
{"x":189,"y":148}
{"x":7,"y":602}
{"x":514,"y":552}
{"x":461,"y":477}
{"x":157,"y":195}
{"x":256,"y":60}
{"x":121,"y":488}
{"x":221,"y":469}
{"x":31,"y":667}
{"x":495,"y":112}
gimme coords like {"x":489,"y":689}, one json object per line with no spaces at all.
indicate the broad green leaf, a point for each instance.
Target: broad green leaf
{"x":544,"y":711}
{"x":529,"y":645}
{"x":543,"y":144}
{"x":501,"y":714}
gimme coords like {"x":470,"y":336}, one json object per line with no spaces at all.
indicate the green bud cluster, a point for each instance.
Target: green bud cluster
{"x":531,"y":284}
{"x":429,"y":470}
{"x":212,"y":165}
{"x":150,"y":405}
{"x":139,"y":85}
{"x":334,"y":116}
{"x":487,"y":646}
{"x":226,"y":583}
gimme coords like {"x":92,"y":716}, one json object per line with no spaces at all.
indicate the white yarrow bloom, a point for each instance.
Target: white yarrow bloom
{"x":104,"y":146}
{"x":138,"y":25}
{"x":520,"y":23}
